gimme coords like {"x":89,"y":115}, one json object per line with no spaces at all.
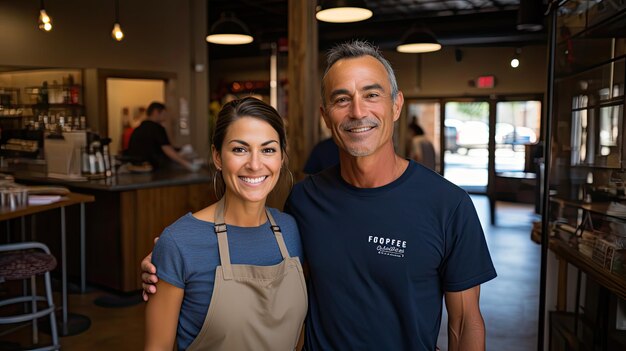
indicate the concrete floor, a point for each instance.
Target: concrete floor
{"x":509,"y":303}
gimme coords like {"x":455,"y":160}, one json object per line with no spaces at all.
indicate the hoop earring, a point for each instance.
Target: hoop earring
{"x":291,"y":178}
{"x":217,"y":172}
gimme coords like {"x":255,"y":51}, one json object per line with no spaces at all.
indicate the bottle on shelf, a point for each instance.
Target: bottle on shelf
{"x":43,"y":93}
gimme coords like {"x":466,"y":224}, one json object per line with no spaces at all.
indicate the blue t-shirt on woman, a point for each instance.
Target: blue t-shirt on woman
{"x":187,"y":255}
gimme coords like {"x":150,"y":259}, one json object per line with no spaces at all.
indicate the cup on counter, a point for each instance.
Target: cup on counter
{"x":13,"y":197}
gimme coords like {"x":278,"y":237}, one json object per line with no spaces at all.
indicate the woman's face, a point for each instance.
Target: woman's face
{"x":250,"y":159}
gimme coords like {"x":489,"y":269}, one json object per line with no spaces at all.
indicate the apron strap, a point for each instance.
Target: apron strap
{"x":278,"y":235}
{"x":222,"y":240}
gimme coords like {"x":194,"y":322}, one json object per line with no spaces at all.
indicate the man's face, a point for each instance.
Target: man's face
{"x":359,"y":109}
{"x":160,"y":116}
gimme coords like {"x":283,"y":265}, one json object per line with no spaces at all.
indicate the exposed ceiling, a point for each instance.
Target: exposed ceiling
{"x":453,"y":22}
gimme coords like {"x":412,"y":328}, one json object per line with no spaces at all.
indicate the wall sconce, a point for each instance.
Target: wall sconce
{"x":419,"y":41}
{"x":117,"y":33}
{"x":229,"y":30}
{"x":342,"y":11}
{"x":45,"y":22}
{"x":515,"y":62}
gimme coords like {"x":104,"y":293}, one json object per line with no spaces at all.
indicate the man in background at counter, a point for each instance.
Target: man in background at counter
{"x":385,"y":238}
{"x":149,"y":142}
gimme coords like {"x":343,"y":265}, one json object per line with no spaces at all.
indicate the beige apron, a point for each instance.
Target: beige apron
{"x":253,"y":307}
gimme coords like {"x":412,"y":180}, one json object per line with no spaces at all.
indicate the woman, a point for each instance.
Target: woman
{"x":229,"y":276}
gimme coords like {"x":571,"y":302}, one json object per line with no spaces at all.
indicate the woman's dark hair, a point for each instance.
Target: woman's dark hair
{"x":417,"y":130}
{"x":248,"y":107}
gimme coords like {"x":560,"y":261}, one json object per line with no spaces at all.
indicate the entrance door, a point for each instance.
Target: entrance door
{"x":466,"y":155}
{"x":517,"y":130}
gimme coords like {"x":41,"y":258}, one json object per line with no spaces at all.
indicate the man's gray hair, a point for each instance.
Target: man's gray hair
{"x":353,"y":49}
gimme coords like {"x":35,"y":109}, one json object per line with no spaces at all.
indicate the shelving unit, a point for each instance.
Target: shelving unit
{"x":587,"y":152}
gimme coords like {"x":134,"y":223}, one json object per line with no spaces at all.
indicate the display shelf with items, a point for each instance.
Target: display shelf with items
{"x":51,"y":93}
{"x":584,"y":224}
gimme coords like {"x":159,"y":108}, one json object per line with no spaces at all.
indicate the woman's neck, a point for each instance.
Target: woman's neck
{"x":243,"y":213}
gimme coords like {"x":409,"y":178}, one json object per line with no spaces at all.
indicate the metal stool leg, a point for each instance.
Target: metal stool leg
{"x":33,"y":291}
{"x":53,"y":320}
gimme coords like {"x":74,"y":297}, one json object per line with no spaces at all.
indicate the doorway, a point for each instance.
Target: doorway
{"x":460,"y":132}
{"x":127,"y":100}
{"x":466,"y":159}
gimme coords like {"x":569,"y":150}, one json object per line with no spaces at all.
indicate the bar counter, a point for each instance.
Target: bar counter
{"x":118,"y":182}
{"x":129,"y":211}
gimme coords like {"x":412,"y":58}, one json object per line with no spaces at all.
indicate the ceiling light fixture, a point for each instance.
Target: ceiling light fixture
{"x":419,"y":41}
{"x":229,"y":30}
{"x":515,"y":62}
{"x":530,"y":16}
{"x":117,"y":33}
{"x":342,"y":11}
{"x":45,"y":22}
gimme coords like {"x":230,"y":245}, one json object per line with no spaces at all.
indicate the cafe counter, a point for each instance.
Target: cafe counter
{"x":129,"y":212}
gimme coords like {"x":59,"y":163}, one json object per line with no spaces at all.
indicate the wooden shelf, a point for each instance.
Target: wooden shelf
{"x":601,"y":208}
{"x":613,"y":282}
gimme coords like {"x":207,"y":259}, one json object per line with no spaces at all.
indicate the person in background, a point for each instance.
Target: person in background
{"x":385,"y":239}
{"x":130,"y":123}
{"x":229,"y":275}
{"x":149,"y":142}
{"x":421,"y":150}
{"x":324,"y":154}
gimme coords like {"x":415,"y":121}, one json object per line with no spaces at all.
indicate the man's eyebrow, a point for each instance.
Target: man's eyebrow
{"x":374,"y":86}
{"x":338,"y":92}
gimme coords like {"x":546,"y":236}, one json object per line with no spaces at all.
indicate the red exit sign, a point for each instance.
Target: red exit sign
{"x":485,"y":82}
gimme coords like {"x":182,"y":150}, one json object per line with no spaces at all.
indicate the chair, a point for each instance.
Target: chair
{"x":21,"y":261}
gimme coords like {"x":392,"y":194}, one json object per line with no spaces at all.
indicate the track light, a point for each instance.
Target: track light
{"x":45,"y":22}
{"x":418,"y":41}
{"x":229,"y":30}
{"x":117,"y":33}
{"x":342,"y":11}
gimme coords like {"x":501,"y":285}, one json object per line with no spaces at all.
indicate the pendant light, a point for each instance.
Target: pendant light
{"x":45,"y":22}
{"x":530,"y":16}
{"x":419,"y":41}
{"x":117,"y":33}
{"x":342,"y":11}
{"x":515,"y":62}
{"x":229,"y":30}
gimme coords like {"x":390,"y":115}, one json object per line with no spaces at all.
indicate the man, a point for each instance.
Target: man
{"x":324,"y":154}
{"x":149,"y":141}
{"x":385,"y":238}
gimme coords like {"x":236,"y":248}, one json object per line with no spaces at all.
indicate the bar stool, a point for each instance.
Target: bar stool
{"x":20,"y":261}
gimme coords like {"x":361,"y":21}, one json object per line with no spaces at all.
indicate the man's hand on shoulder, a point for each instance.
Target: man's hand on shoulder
{"x":148,"y":275}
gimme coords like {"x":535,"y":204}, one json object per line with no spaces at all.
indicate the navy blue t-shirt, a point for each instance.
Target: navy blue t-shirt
{"x":381,"y":258}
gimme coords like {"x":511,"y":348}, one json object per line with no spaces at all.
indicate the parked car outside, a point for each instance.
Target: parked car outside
{"x":451,"y":135}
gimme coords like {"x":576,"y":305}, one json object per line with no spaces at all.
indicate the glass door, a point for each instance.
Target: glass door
{"x":517,"y":133}
{"x":466,"y":154}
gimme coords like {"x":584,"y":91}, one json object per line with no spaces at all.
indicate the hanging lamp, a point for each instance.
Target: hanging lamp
{"x":229,"y":30}
{"x":419,"y":41}
{"x":45,"y":22}
{"x":530,"y":16}
{"x":342,"y":11}
{"x":117,"y":33}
